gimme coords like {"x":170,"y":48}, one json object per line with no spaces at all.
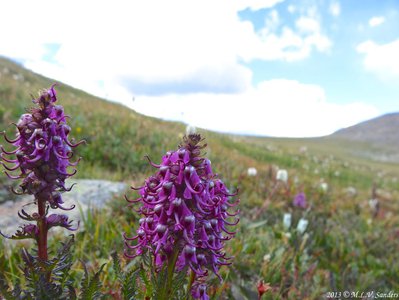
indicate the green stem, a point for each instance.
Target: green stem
{"x":190,"y":284}
{"x":171,"y":268}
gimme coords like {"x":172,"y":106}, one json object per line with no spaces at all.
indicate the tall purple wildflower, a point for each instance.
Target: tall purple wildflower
{"x":42,"y":154}
{"x":185,"y":209}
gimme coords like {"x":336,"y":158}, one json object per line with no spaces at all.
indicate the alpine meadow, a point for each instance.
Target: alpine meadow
{"x":202,"y":215}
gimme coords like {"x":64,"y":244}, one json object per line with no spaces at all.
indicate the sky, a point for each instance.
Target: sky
{"x":282,"y":68}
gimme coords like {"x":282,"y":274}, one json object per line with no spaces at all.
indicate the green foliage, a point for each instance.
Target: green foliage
{"x":142,"y":281}
{"x":47,"y":281}
{"x":90,"y":287}
{"x":127,"y":280}
{"x":178,"y":290}
{"x":5,"y":289}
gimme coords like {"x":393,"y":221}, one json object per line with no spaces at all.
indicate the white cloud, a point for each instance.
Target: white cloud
{"x":150,"y":42}
{"x":146,"y":41}
{"x":307,"y":25}
{"x":291,"y":8}
{"x":335,"y":9}
{"x":123,"y":47}
{"x":277,"y":107}
{"x":381,"y":59}
{"x":256,"y":4}
{"x":289,"y":44}
{"x":376,"y":21}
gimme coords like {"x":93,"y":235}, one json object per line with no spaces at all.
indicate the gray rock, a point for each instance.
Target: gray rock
{"x":86,"y":194}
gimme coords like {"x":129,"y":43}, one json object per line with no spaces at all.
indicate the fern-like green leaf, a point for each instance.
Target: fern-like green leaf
{"x":129,"y":285}
{"x":147,"y":283}
{"x":61,"y":265}
{"x":117,"y":266}
{"x":128,"y":280}
{"x":179,"y":280}
{"x":160,"y":280}
{"x":91,"y":286}
{"x":4,"y":288}
{"x":49,"y":280}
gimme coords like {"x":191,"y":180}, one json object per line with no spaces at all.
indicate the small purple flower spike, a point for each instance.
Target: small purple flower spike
{"x":43,"y":150}
{"x":42,"y":153}
{"x":185,"y":213}
{"x":300,"y":200}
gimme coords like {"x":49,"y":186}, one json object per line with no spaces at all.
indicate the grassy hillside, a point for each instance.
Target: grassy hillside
{"x":118,"y":138}
{"x":381,"y":130}
{"x":379,"y":134}
{"x":347,"y":244}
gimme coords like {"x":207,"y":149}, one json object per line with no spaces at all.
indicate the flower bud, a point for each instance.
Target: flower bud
{"x":189,"y":250}
{"x":167,"y":186}
{"x":160,"y":228}
{"x":158,"y":208}
{"x":176,"y":202}
{"x":189,"y":219}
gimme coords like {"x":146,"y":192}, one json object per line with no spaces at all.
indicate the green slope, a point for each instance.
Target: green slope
{"x":118,"y":139}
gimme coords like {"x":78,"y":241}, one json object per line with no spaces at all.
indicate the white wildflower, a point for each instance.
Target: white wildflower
{"x":373,"y":203}
{"x":287,"y":220}
{"x":282,"y":175}
{"x":252,"y":172}
{"x":302,"y":225}
{"x":267,"y":257}
{"x":324,"y":187}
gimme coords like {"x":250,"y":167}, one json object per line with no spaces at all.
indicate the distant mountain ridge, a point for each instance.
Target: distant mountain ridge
{"x":380,"y":130}
{"x":379,"y":137}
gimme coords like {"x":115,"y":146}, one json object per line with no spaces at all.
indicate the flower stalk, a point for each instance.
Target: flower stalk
{"x":42,"y":155}
{"x":42,"y":226}
{"x":165,"y":295}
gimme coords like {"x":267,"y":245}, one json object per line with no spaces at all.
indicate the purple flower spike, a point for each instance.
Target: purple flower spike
{"x":43,"y":150}
{"x":42,"y":155}
{"x":185,"y":209}
{"x":300,"y":200}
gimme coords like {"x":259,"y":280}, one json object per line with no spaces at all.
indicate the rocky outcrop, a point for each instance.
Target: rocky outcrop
{"x":85,"y":194}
